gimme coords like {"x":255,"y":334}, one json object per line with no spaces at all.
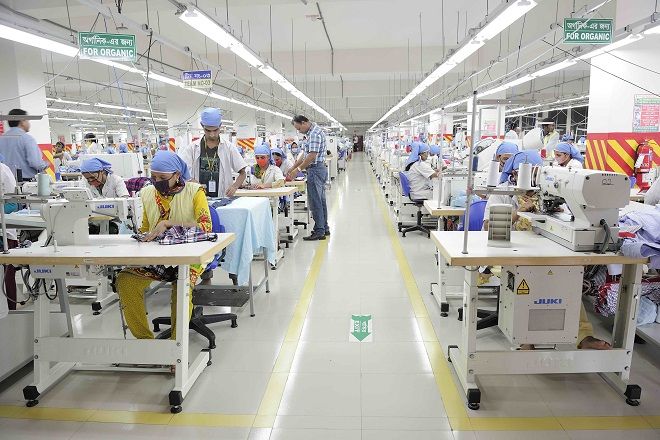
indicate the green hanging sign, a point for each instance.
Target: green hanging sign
{"x":116,"y":47}
{"x":588,"y":31}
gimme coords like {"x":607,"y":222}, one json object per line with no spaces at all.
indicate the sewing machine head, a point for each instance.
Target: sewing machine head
{"x":593,"y":199}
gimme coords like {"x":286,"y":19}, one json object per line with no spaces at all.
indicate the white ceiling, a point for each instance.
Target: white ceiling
{"x":377,"y":53}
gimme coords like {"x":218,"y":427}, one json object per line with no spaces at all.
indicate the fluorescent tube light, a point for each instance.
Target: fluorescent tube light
{"x":554,"y":68}
{"x":505,"y":19}
{"x":165,"y":79}
{"x":246,"y":54}
{"x":616,"y":45}
{"x":502,"y":21}
{"x":66,"y":110}
{"x":64,"y":101}
{"x":201,"y":22}
{"x":33,"y":40}
{"x":507,"y":86}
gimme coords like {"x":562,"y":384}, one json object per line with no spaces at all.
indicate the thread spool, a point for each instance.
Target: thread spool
{"x":493,"y":174}
{"x":43,"y":184}
{"x":525,"y":176}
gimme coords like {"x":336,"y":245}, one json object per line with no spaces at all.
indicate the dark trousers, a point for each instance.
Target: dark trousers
{"x":317,"y":174}
{"x":10,"y":278}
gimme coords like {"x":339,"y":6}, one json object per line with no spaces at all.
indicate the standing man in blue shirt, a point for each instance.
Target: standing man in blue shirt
{"x":20,"y":149}
{"x":317,"y":174}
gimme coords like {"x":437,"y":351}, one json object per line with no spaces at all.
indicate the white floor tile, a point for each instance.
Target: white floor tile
{"x":510,"y":396}
{"x":318,"y":422}
{"x":204,"y":433}
{"x":395,"y":357}
{"x":242,"y":356}
{"x":397,"y":330}
{"x":522,"y":435}
{"x":227,"y":393}
{"x":327,"y":357}
{"x":323,"y":330}
{"x":38,"y":429}
{"x":112,"y":431}
{"x":406,"y":423}
{"x":647,"y":434}
{"x":316,"y":434}
{"x":259,"y":434}
{"x":407,"y":435}
{"x":401,"y":395}
{"x":321,"y":394}
{"x":386,"y":307}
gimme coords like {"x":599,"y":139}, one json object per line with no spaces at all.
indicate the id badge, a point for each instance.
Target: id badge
{"x":212,"y":186}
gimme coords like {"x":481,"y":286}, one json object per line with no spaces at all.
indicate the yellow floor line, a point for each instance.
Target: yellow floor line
{"x":272,"y":398}
{"x":450,"y":390}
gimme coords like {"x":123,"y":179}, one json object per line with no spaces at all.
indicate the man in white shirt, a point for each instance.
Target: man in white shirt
{"x":212,"y":161}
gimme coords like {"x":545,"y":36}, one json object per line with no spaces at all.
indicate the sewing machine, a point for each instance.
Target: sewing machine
{"x":593,"y":199}
{"x":541,"y":304}
{"x":67,"y":218}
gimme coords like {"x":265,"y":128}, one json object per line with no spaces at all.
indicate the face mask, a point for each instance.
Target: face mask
{"x":263,"y":163}
{"x":294,"y":150}
{"x":162,"y":186}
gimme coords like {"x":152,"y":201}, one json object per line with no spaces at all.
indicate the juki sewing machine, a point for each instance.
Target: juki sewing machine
{"x":580,"y":211}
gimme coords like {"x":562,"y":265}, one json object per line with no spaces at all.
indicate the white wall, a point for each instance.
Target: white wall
{"x":611,"y":99}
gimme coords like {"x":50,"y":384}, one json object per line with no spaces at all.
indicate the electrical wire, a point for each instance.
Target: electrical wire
{"x":75,"y":57}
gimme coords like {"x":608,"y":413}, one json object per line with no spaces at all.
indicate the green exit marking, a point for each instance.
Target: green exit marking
{"x":361,"y":329}
{"x":588,"y":31}
{"x":117,"y":47}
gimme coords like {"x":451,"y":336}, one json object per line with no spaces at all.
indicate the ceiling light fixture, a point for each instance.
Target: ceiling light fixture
{"x":502,"y":21}
{"x":202,"y":22}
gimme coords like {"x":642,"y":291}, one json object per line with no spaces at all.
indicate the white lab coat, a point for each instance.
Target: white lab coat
{"x":272,"y":175}
{"x":500,"y":199}
{"x":230,"y":161}
{"x":573,"y":163}
{"x":286,"y":166}
{"x":9,"y":186}
{"x":114,"y":187}
{"x":419,"y":176}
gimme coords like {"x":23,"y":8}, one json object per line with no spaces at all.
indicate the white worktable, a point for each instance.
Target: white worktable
{"x":274,"y":194}
{"x":529,"y":249}
{"x":66,"y":353}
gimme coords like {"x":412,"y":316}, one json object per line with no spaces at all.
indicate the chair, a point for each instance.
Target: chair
{"x":476,"y":219}
{"x":199,"y":321}
{"x":487,"y":318}
{"x":405,"y":190}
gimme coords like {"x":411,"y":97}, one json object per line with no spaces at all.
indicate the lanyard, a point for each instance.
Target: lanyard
{"x":210,"y":163}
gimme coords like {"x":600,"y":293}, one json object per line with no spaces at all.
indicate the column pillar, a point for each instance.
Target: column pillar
{"x":21,"y":72}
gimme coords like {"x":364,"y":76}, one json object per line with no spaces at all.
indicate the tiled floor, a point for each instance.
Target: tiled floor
{"x":335,"y":389}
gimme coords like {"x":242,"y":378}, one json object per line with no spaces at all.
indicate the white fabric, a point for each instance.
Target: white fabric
{"x":500,"y":199}
{"x":9,"y":186}
{"x":573,"y":163}
{"x":652,"y":196}
{"x":511,"y":134}
{"x":419,"y":176}
{"x":114,"y":187}
{"x":271,"y":175}
{"x":286,"y":166}
{"x":230,"y":161}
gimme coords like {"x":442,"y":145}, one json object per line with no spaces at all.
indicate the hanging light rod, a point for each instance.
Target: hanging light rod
{"x":199,"y":20}
{"x":508,"y":14}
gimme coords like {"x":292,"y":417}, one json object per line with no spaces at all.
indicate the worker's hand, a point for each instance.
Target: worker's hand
{"x":288,"y":178}
{"x":160,"y":228}
{"x":259,"y":186}
{"x":231,"y":191}
{"x":526,"y":206}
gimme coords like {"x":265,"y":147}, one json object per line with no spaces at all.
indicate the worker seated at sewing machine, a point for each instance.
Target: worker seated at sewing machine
{"x":528,"y":202}
{"x":103,"y":184}
{"x":172,"y":200}
{"x":567,"y":155}
{"x":572,"y":207}
{"x":504,"y":151}
{"x":420,"y":172}
{"x":265,"y":174}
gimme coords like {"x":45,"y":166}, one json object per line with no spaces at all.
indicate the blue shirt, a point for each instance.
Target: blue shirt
{"x":316,"y":143}
{"x":21,"y":152}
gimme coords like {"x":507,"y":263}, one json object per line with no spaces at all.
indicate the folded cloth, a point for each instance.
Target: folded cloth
{"x":223,"y":202}
{"x":179,"y":235}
